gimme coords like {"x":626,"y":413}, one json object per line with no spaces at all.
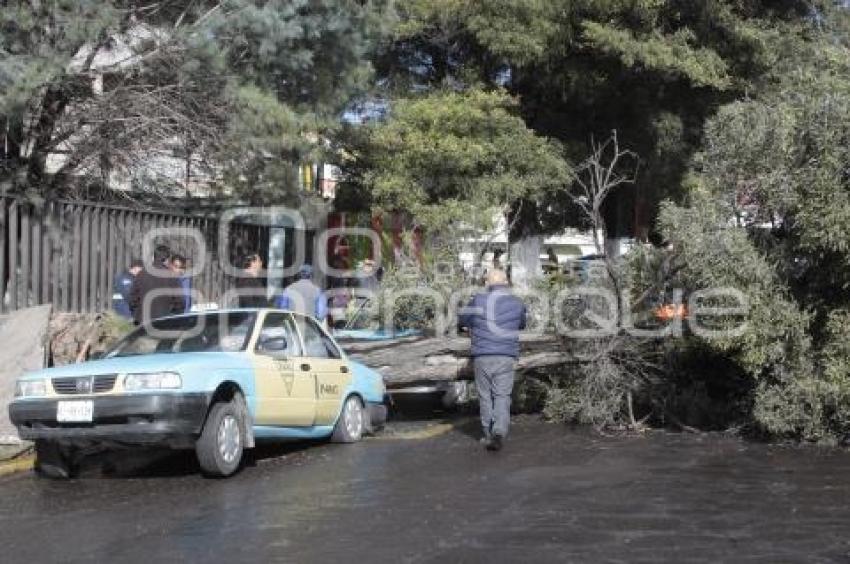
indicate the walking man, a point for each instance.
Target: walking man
{"x":494,"y":319}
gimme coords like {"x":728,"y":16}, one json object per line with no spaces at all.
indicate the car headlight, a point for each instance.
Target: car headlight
{"x":152,"y":381}
{"x":31,"y":388}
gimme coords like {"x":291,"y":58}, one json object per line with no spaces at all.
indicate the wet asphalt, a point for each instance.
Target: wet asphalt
{"x":427,"y":492}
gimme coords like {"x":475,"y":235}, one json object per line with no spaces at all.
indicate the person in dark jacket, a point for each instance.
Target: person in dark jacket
{"x":251,"y":287}
{"x":494,"y":319}
{"x":156,"y":293}
{"x":122,"y":288}
{"x":177,"y":264}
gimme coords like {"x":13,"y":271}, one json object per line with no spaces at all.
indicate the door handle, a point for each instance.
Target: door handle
{"x":343,"y":369}
{"x":305,"y":367}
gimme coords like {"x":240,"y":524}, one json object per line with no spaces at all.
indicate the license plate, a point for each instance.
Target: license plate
{"x":75,"y":411}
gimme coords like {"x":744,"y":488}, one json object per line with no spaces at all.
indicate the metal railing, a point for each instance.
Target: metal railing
{"x":69,"y":253}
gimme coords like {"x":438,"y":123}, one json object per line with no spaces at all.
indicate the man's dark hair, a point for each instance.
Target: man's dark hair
{"x":161,"y":254}
{"x":249,"y":258}
{"x":137,"y":263}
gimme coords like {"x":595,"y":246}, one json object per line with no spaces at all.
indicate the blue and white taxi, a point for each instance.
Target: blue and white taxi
{"x":214,"y":382}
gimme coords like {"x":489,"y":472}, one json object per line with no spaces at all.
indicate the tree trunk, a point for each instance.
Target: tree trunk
{"x":13,"y":134}
{"x":52,"y":105}
{"x":11,"y":161}
{"x":410,"y":360}
{"x":525,"y":261}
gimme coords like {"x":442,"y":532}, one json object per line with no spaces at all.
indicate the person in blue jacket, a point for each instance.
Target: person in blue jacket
{"x":304,"y":296}
{"x":494,"y":319}
{"x":122,"y":287}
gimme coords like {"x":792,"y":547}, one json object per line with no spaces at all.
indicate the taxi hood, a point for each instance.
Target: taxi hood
{"x":170,"y":362}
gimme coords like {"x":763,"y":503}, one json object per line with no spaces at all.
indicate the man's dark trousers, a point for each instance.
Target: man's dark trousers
{"x":494,"y":378}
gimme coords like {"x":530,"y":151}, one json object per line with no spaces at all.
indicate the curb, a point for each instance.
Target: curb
{"x":15,"y":465}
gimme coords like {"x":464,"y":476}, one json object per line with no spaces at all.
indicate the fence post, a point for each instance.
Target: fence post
{"x":76,"y":258}
{"x":36,"y":257}
{"x":62,"y":251}
{"x":4,"y":244}
{"x":25,"y":256}
{"x":47,"y":274}
{"x":103,"y":289}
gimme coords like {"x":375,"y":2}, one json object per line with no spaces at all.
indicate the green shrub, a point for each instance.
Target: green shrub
{"x":594,"y":394}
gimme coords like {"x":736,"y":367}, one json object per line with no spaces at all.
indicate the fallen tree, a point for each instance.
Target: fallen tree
{"x":410,"y":360}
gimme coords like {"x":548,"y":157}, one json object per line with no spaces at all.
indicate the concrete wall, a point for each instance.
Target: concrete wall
{"x":24,"y":338}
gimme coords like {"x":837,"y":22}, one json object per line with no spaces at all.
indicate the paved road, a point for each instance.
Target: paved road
{"x":432,"y":495}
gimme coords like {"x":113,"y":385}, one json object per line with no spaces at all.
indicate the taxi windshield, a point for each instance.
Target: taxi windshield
{"x":207,"y":332}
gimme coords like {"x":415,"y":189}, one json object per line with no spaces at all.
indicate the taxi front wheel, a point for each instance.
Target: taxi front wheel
{"x":351,"y":422}
{"x":219,"y":448}
{"x":54,"y":460}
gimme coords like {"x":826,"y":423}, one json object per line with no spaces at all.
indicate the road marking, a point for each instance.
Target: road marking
{"x":428,"y":432}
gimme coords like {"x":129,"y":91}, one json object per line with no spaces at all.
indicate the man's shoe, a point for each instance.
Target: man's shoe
{"x":495,"y":443}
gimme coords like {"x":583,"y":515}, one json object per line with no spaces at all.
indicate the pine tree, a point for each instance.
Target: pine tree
{"x":654,"y":70}
{"x":244,"y":88}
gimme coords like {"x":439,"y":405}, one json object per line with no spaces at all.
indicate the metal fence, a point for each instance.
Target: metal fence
{"x":68,"y":253}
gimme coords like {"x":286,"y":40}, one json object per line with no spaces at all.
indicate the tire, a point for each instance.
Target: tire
{"x":220,"y":447}
{"x":54,"y":460}
{"x":351,"y":423}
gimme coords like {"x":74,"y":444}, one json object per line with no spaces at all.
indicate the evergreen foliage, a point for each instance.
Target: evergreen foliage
{"x":652,"y":70}
{"x":455,"y":156}
{"x":241,"y":89}
{"x":768,"y":213}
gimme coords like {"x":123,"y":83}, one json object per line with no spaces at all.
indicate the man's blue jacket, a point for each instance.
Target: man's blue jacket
{"x":494,"y":319}
{"x":121,"y":294}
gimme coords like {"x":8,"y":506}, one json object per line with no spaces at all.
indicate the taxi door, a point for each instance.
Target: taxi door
{"x":331,"y":371}
{"x":286,"y":394}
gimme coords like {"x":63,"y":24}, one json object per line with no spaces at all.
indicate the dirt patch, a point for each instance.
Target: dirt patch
{"x":75,"y":336}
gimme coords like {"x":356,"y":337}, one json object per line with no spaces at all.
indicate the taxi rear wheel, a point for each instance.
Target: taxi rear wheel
{"x":351,"y":422}
{"x":219,"y":448}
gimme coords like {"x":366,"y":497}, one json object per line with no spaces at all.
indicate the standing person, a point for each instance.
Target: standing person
{"x":497,"y":258}
{"x":494,"y":319}
{"x":304,"y":296}
{"x":340,"y":291}
{"x":156,"y":294}
{"x":251,"y":286}
{"x":177,"y":265}
{"x":367,"y":278}
{"x":122,"y":288}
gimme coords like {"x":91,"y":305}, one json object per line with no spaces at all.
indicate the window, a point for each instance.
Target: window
{"x":209,"y":332}
{"x":278,"y":334}
{"x":317,"y":344}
